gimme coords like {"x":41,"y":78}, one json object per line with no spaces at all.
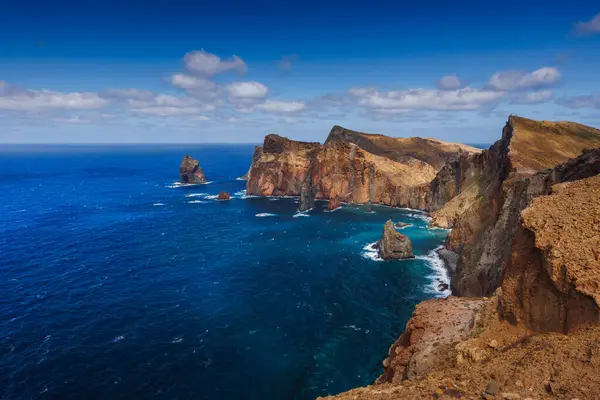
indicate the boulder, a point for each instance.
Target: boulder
{"x":393,"y":245}
{"x":190,"y":171}
{"x":224,"y":196}
{"x":400,"y":225}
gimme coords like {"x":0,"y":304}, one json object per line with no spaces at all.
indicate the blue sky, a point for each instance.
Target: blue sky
{"x":233,"y":71}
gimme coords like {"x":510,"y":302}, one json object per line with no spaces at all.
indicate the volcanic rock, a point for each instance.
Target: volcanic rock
{"x":393,"y":245}
{"x":190,"y":171}
{"x":223,"y":196}
{"x":334,"y":203}
{"x":353,"y":166}
{"x":400,"y":225}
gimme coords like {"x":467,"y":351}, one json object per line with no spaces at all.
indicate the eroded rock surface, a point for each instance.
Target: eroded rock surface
{"x":351,"y":167}
{"x":393,"y":245}
{"x":190,"y":171}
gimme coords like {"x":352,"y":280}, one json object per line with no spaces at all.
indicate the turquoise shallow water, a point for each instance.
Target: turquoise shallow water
{"x":116,"y":283}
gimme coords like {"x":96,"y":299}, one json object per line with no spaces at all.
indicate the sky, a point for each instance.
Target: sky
{"x":233,"y":71}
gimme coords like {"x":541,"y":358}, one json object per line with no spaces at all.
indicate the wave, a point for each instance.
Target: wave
{"x":158,"y":204}
{"x":265,"y":215}
{"x":195,"y":195}
{"x":240,"y":193}
{"x":335,"y":209}
{"x":241,"y":179}
{"x":197,"y":202}
{"x":211,"y":196}
{"x":118,"y":339}
{"x":440,"y":273}
{"x":371,"y":253}
{"x":301,"y":214}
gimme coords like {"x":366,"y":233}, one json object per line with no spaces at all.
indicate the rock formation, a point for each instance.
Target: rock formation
{"x":190,"y":171}
{"x":223,"y":196}
{"x":352,"y":167}
{"x":393,"y":245}
{"x":526,"y":231}
{"x":334,"y":203}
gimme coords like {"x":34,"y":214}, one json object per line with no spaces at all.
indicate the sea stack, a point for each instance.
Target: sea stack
{"x":307,"y":195}
{"x":190,"y":171}
{"x":393,"y":245}
{"x":223,"y":196}
{"x":334,"y":203}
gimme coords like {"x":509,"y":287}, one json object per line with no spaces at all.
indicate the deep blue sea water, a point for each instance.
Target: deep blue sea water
{"x":117,"y":284}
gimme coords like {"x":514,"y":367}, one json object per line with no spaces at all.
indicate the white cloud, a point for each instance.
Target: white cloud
{"x":281,"y":106}
{"x":449,"y":82}
{"x":591,"y":27}
{"x":184,"y":81}
{"x":167,"y":105}
{"x":15,"y":99}
{"x":240,"y":91}
{"x":533,"y":97}
{"x":207,"y":64}
{"x":520,"y":80}
{"x":362,"y":91}
{"x":427,"y":99}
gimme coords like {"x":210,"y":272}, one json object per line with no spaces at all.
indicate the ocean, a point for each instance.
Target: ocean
{"x":118,"y":283}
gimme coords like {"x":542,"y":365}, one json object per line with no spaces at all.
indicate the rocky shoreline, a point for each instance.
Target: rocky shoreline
{"x":524,"y":264}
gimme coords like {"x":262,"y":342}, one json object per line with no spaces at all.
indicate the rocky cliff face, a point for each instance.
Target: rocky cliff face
{"x":492,"y":188}
{"x":190,"y":171}
{"x":351,"y":167}
{"x":393,"y":245}
{"x":530,"y":230}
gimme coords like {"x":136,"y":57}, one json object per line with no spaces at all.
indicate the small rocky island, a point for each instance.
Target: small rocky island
{"x":393,"y":245}
{"x":223,"y":196}
{"x":190,"y":171}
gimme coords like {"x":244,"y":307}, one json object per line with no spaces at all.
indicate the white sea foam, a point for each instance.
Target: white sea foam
{"x":158,"y":204}
{"x":197,"y":202}
{"x":118,"y":339}
{"x":195,"y":195}
{"x":403,"y":227}
{"x":439,"y":273}
{"x":371,"y":253}
{"x":241,"y":179}
{"x":301,"y":214}
{"x":177,"y":340}
{"x":335,"y":209}
{"x":211,"y":196}
{"x":266,"y":215}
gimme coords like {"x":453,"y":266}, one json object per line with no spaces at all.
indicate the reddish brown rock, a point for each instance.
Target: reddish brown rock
{"x":393,"y":245}
{"x":396,"y":176}
{"x":334,"y":203}
{"x":223,"y":196}
{"x":190,"y":171}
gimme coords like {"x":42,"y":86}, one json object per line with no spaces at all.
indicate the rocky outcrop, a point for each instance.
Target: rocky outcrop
{"x":190,"y":171}
{"x":223,"y":196}
{"x":526,"y":226}
{"x":393,"y":245}
{"x":307,"y":194}
{"x":343,"y":169}
{"x":552,"y":280}
{"x":429,"y":338}
{"x":495,"y":187}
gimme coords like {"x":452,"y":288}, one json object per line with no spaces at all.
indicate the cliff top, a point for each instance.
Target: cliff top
{"x":537,"y":145}
{"x":276,"y":144}
{"x":431,"y":151}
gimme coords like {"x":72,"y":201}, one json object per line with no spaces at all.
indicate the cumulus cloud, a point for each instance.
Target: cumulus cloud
{"x":519,"y":80}
{"x":585,"y":101}
{"x":246,"y":93}
{"x":541,"y":96}
{"x":283,"y":107}
{"x":16,"y":99}
{"x":426,"y":99}
{"x":207,"y":64}
{"x":449,"y":82}
{"x":591,"y":27}
{"x":167,"y":105}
